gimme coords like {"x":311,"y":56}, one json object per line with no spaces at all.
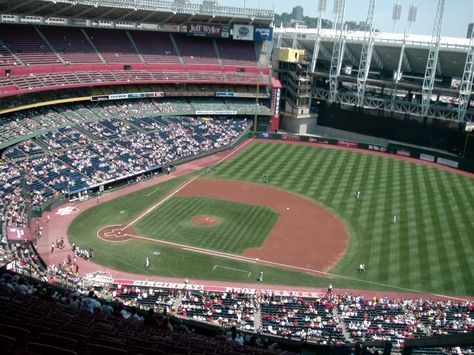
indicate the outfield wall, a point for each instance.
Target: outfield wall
{"x":399,"y":149}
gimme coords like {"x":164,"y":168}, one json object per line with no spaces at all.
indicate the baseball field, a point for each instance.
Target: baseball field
{"x":291,"y":212}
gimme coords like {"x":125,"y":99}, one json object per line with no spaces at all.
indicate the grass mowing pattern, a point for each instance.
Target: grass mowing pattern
{"x":241,"y":226}
{"x":172,"y":262}
{"x":430,"y":248}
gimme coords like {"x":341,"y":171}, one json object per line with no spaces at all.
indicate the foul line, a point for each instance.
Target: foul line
{"x":233,"y":269}
{"x":140,"y":216}
{"x":151,"y":193}
{"x":272,"y":263}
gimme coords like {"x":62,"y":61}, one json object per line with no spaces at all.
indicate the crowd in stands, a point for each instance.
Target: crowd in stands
{"x":226,"y":309}
{"x":39,"y":317}
{"x":87,"y":145}
{"x":389,"y":319}
{"x":235,"y":313}
{"x":40,"y":121}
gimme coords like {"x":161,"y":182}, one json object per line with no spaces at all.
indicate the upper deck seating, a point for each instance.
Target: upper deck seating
{"x":28,"y":45}
{"x":71,"y":44}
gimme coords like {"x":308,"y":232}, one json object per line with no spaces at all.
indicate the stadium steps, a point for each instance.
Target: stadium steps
{"x":40,"y":143}
{"x":340,"y":321}
{"x":137,"y":127}
{"x":5,"y":47}
{"x":257,"y":318}
{"x":87,"y":133}
{"x":135,"y":47}
{"x":93,"y":45}
{"x":45,"y":40}
{"x":218,"y":53}
{"x":175,"y":45}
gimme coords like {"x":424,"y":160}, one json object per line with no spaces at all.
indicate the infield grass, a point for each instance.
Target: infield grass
{"x":240,"y":226}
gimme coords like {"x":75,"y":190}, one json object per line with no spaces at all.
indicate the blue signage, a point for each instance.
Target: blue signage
{"x":262,"y":33}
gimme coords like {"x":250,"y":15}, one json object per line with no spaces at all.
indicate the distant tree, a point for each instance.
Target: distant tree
{"x":312,"y":22}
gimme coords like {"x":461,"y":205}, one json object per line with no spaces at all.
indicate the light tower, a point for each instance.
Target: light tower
{"x":322,"y":4}
{"x":396,"y":14}
{"x":412,"y":11}
{"x":432,"y":62}
{"x":465,"y":89}
{"x":366,"y":54}
{"x":337,"y":50}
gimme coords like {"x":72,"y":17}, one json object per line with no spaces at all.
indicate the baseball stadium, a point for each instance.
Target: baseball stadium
{"x":189,"y":178}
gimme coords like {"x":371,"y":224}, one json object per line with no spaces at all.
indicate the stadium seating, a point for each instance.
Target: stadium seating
{"x":26,"y":43}
{"x":46,"y":323}
{"x":114,"y":46}
{"x":239,"y":53}
{"x":196,"y":50}
{"x":79,"y":146}
{"x":44,"y":57}
{"x":162,"y":50}
{"x":71,"y":44}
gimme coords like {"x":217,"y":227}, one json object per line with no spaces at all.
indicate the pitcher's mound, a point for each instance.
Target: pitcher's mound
{"x":206,"y":221}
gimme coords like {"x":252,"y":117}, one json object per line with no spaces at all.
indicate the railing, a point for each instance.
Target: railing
{"x":175,"y":7}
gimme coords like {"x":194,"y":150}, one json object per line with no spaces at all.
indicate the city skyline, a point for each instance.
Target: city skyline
{"x":458,"y":13}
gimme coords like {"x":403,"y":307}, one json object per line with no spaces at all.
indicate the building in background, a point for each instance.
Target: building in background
{"x":298,"y":13}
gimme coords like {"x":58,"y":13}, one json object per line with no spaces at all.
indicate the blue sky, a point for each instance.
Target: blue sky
{"x":458,"y":13}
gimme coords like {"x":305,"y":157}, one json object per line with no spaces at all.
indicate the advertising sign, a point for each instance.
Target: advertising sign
{"x":263,"y":33}
{"x":220,"y":112}
{"x":377,"y":148}
{"x":290,"y":137}
{"x":224,"y":94}
{"x":403,"y":152}
{"x":427,"y":157}
{"x":447,"y":162}
{"x":243,"y":32}
{"x":348,"y":144}
{"x":204,"y":30}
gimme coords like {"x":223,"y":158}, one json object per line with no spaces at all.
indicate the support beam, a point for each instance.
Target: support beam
{"x":124,"y":17}
{"x":85,"y":11}
{"x":349,"y":55}
{"x":314,"y":57}
{"x":405,"y":61}
{"x":377,"y":59}
{"x":107,"y":13}
{"x":16,"y":6}
{"x":317,"y":42}
{"x":295,"y":41}
{"x":465,"y":89}
{"x":324,"y":51}
{"x":64,"y":9}
{"x":432,"y":62}
{"x":41,"y":8}
{"x":147,"y":16}
{"x":280,"y":35}
{"x":167,"y":18}
{"x":365,"y":55}
{"x":337,"y":50}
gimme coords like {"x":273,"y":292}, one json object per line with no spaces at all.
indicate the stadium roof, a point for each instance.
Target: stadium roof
{"x":162,"y":11}
{"x":452,"y":55}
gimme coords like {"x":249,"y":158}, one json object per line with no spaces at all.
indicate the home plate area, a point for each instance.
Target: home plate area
{"x":116,"y":233}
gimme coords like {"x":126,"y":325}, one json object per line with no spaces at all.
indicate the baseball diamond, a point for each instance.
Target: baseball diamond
{"x":405,"y":255}
{"x":201,"y":177}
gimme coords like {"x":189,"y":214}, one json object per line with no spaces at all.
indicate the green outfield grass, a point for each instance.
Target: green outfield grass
{"x":429,"y":249}
{"x":240,"y":226}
